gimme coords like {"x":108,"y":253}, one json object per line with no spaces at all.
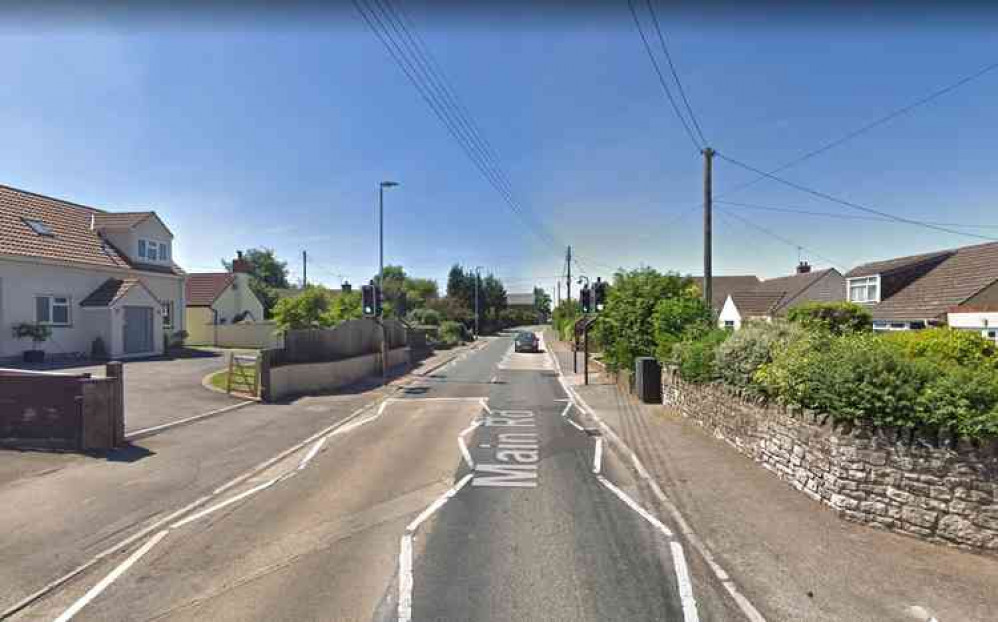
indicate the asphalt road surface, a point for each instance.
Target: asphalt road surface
{"x":478,"y":493}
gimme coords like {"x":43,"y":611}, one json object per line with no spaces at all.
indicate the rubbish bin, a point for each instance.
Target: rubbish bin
{"x":648,"y":380}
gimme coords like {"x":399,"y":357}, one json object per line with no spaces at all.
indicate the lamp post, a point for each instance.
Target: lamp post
{"x":379,"y":297}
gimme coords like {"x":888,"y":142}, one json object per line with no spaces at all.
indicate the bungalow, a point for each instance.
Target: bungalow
{"x":722,"y":286}
{"x":922,"y":290}
{"x":86,"y":274}
{"x":775,"y":297}
{"x":219,"y":298}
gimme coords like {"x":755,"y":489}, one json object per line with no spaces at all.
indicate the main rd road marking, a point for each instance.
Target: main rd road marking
{"x":517,"y":451}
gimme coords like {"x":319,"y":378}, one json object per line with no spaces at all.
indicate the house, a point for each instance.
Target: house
{"x":921,"y":290}
{"x":520,"y":302}
{"x":775,"y":297}
{"x":722,"y":286}
{"x":980,"y":318}
{"x":219,"y":298}
{"x":87,"y":274}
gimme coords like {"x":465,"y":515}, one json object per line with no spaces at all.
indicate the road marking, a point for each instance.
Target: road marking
{"x":96,"y":590}
{"x":405,"y":550}
{"x":631,"y":503}
{"x":685,"y":586}
{"x":568,"y":407}
{"x":746,"y":606}
{"x":463,"y":446}
{"x":218,"y":506}
{"x":577,"y":426}
{"x":485,"y":404}
{"x":598,"y":455}
{"x":137,"y":434}
{"x":311,"y":453}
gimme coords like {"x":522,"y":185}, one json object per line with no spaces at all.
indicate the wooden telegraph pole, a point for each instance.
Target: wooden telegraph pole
{"x":708,"y":159}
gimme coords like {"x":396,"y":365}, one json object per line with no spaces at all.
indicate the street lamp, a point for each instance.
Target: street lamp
{"x":381,"y":276}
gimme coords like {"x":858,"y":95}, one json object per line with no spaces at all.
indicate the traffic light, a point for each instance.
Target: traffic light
{"x":599,"y":294}
{"x":368,"y":302}
{"x":587,"y":300}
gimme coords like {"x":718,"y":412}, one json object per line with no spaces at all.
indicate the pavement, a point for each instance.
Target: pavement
{"x":470,"y":493}
{"x":792,"y":558}
{"x":72,"y":509}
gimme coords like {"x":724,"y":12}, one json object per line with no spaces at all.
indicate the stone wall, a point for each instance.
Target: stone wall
{"x":939,"y":491}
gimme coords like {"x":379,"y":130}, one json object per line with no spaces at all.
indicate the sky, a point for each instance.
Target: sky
{"x":258,"y":129}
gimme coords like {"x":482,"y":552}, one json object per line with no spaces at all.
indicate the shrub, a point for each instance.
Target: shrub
{"x":962,"y":399}
{"x":746,"y":350}
{"x":307,"y":310}
{"x":425,"y":317}
{"x":676,"y":318}
{"x":946,"y":346}
{"x":37,"y":333}
{"x":696,"y":358}
{"x":836,"y":317}
{"x":451,"y":333}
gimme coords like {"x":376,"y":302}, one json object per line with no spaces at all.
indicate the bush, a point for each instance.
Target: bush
{"x":837,"y":317}
{"x":962,"y":399}
{"x":676,"y":318}
{"x":746,"y":350}
{"x":696,"y":358}
{"x":307,"y":310}
{"x":425,"y":317}
{"x":946,"y":346}
{"x":451,"y":333}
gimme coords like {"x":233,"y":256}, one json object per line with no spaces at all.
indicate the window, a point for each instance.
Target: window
{"x":39,"y":227}
{"x":168,"y":314}
{"x":52,"y":310}
{"x":864,"y":289}
{"x":150,"y":250}
{"x":729,"y":324}
{"x":992,"y":335}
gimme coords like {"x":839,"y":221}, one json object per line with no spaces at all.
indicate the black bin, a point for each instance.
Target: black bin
{"x":648,"y":380}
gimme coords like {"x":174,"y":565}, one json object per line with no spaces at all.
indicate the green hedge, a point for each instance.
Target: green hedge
{"x":696,"y":358}
{"x":836,"y":317}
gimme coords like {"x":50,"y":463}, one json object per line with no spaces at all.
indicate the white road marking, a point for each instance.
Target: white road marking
{"x":463,"y":446}
{"x":485,"y":404}
{"x":631,"y":503}
{"x":96,"y":590}
{"x":568,"y":407}
{"x":227,"y":502}
{"x":577,"y":426}
{"x":312,"y":452}
{"x":685,"y":586}
{"x":598,"y":455}
{"x":353,"y":425}
{"x":405,"y":550}
{"x":172,"y":424}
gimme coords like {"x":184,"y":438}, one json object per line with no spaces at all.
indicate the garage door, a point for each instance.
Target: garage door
{"x":138,"y":330}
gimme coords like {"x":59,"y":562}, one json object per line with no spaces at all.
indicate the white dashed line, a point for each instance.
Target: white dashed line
{"x":598,"y":455}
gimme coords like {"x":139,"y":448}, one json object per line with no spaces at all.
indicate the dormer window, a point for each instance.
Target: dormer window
{"x":39,"y":227}
{"x":152,"y":250}
{"x":864,"y":290}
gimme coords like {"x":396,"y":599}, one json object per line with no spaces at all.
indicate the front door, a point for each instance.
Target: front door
{"x":138,"y":330}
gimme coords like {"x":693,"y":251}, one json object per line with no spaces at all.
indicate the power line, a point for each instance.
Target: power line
{"x":873,"y":124}
{"x":853,"y":205}
{"x":797,"y":210}
{"x":661,"y":78}
{"x":675,"y":74}
{"x":725,"y":212}
{"x":382,"y":20}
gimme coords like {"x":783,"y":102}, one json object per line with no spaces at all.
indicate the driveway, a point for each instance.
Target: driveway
{"x":159,"y":391}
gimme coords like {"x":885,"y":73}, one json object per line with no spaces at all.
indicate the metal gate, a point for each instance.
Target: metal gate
{"x":138,"y":330}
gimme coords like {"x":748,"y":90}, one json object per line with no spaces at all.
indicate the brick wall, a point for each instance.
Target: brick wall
{"x":939,"y":491}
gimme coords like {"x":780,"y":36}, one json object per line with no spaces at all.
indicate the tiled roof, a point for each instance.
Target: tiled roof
{"x":72,"y":240}
{"x":960,"y":276}
{"x":119,"y":220}
{"x":792,"y":286}
{"x":721,"y":286}
{"x":202,"y":289}
{"x":757,"y":303}
{"x":890,"y":265}
{"x":110,"y":292}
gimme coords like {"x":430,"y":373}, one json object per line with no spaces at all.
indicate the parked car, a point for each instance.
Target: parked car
{"x":526,"y":342}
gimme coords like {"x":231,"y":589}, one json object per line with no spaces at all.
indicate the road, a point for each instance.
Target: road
{"x":478,"y":493}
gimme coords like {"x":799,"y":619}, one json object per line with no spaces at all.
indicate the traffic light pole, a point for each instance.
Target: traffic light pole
{"x":381,"y":283}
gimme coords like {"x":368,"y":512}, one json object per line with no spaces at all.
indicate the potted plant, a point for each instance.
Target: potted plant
{"x":37,"y":333}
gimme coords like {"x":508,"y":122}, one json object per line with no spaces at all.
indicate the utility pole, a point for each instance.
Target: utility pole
{"x":708,"y":286}
{"x":304,"y":269}
{"x":557,"y":298}
{"x":379,"y":292}
{"x":478,"y":286}
{"x":568,"y":278}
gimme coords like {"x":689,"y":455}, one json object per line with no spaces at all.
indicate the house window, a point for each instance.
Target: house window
{"x":39,"y":227}
{"x":150,"y":250}
{"x":168,"y":314}
{"x":864,"y":289}
{"x":729,"y":324}
{"x":991,"y":335}
{"x":52,"y":310}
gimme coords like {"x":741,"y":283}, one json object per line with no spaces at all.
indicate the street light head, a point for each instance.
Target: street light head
{"x":389,"y":184}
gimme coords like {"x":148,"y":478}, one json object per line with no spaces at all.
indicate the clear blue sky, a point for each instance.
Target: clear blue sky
{"x":275,"y":132}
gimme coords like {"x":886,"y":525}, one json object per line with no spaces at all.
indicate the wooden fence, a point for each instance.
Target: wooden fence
{"x":346,"y":340}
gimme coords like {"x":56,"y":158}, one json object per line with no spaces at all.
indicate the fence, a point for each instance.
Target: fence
{"x":61,"y":411}
{"x":245,"y":335}
{"x":348,"y":339}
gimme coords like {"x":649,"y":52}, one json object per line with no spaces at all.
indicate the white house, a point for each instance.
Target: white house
{"x":216,"y":299}
{"x":87,"y":274}
{"x":979,"y":318}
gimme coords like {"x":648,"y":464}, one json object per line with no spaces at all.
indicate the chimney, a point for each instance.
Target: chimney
{"x":240,"y":265}
{"x":346,"y":287}
{"x":803,"y":267}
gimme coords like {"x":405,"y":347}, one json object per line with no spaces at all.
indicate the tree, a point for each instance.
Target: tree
{"x":345,"y":306}
{"x":266,"y":274}
{"x":461,"y":286}
{"x":420,"y":291}
{"x":308,"y":310}
{"x":491,"y":298}
{"x":542,"y":302}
